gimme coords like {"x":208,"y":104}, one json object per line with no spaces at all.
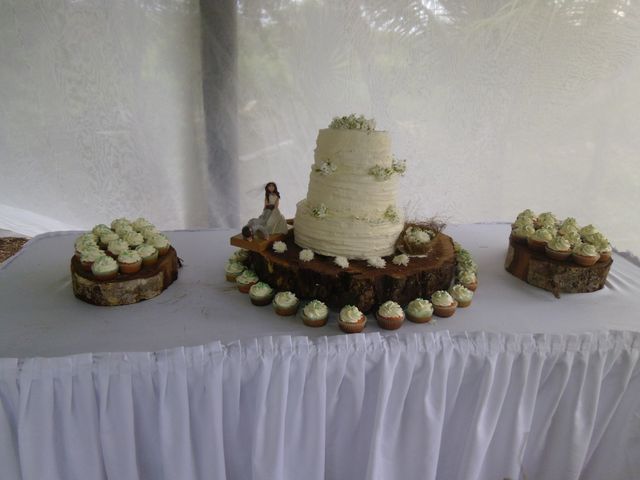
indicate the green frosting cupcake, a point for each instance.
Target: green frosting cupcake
{"x":585,"y":250}
{"x":260,"y":290}
{"x":524,"y":231}
{"x":528,"y":213}
{"x":146,"y":251}
{"x":129,"y":256}
{"x":441,"y":298}
{"x":109,"y":237}
{"x":234,"y":268}
{"x":588,"y":230}
{"x":134,"y":239}
{"x":420,"y":308}
{"x":559,"y":244}
{"x":461,"y":294}
{"x":350,"y":314}
{"x":467,"y":277}
{"x":91,"y":255}
{"x":247,"y":277}
{"x":542,"y":235}
{"x":285,"y":300}
{"x":573,"y":237}
{"x":390,"y":309}
{"x":118,"y":246}
{"x":315,"y":310}
{"x":547,"y":219}
{"x":104,"y":265}
{"x":100,"y":229}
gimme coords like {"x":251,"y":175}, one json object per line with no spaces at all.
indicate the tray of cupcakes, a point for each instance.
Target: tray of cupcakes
{"x":122,"y":263}
{"x":558,"y":255}
{"x":390,"y":315}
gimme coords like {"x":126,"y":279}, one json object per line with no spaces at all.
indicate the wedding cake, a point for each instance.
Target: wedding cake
{"x":350,"y":209}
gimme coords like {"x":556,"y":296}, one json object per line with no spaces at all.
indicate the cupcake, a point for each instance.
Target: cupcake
{"x":98,"y":230}
{"x":118,"y":222}
{"x":420,"y":310}
{"x":559,"y":248}
{"x":570,"y":222}
{"x":161,"y":243}
{"x":148,"y":253}
{"x":82,"y":247}
{"x":469,"y":279}
{"x":521,"y":234}
{"x":108,"y":237}
{"x":568,"y":225}
{"x":443,"y":303}
{"x":245,"y":280}
{"x":586,"y":232}
{"x":539,"y":239}
{"x":85,"y":240}
{"x":585,"y":254}
{"x":89,"y":256}
{"x":315,"y":314}
{"x":465,"y":261}
{"x":573,"y":237}
{"x":596,"y":239}
{"x":232,"y":270}
{"x":285,"y":303}
{"x":462,"y":295}
{"x":134,"y":239}
{"x":390,"y":315}
{"x":123,"y":230}
{"x":260,"y":294}
{"x":528,"y":213}
{"x":129,"y":262}
{"x":351,"y":319}
{"x":105,"y":268}
{"x":604,"y":249}
{"x":567,"y":229}
{"x":522,"y":222}
{"x":139,"y":223}
{"x":241,"y":255}
{"x":116,"y":247}
{"x":546,"y":219}
{"x":148,"y":231}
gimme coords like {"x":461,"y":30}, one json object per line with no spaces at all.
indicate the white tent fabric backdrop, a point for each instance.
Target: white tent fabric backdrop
{"x":497,"y":106}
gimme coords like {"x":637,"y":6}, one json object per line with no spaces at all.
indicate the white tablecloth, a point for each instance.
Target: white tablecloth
{"x":550,"y":388}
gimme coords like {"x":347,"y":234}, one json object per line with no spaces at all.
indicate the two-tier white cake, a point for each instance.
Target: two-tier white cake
{"x":351,"y":209}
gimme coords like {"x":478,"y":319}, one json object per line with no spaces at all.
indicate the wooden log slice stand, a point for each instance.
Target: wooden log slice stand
{"x":556,"y":276}
{"x":149,"y":282}
{"x":361,"y":285}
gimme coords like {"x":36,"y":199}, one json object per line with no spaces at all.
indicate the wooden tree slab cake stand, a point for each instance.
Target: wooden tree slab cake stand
{"x":556,"y":276}
{"x":149,"y":282}
{"x":359,"y":284}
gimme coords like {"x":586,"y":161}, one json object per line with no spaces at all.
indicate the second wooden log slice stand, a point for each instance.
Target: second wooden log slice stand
{"x":149,"y":282}
{"x":556,"y":276}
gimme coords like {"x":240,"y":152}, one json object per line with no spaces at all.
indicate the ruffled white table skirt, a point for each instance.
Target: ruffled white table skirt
{"x":423,"y":403}
{"x":476,"y":406}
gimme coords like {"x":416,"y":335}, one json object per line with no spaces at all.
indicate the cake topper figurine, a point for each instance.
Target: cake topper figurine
{"x":270,"y":221}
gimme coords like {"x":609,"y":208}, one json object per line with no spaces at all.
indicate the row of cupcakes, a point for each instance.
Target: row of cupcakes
{"x":561,"y":239}
{"x":389,"y":316}
{"x":124,"y":248}
{"x":466,"y":268}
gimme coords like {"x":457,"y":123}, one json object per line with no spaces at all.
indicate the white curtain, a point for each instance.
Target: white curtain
{"x":496,"y":105}
{"x":431,"y":406}
{"x":101,"y":113}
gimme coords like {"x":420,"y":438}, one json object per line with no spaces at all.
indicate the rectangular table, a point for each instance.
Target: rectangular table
{"x":222,"y":389}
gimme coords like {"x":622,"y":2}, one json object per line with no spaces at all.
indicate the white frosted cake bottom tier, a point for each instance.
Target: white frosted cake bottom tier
{"x":345,"y":237}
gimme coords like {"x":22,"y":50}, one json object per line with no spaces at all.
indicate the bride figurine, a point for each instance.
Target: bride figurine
{"x":274,"y":220}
